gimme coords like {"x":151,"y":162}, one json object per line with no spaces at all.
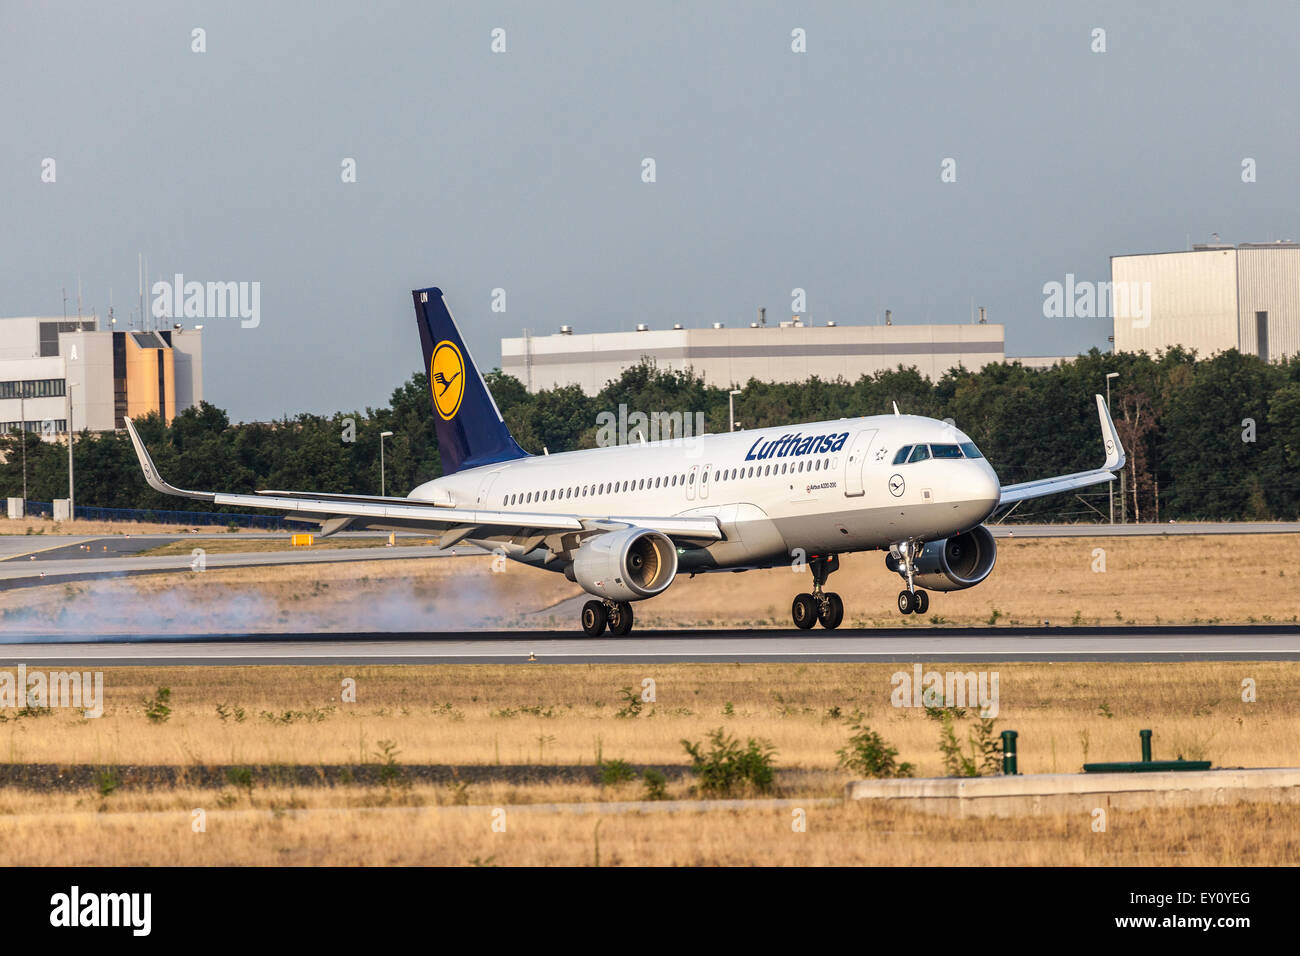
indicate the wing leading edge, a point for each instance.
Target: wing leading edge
{"x":337,"y":511}
{"x":1042,"y":487}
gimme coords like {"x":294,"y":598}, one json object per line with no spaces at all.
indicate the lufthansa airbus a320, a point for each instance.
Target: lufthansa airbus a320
{"x":623,"y":522}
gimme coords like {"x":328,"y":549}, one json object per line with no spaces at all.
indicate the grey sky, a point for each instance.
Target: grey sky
{"x":522,"y":170}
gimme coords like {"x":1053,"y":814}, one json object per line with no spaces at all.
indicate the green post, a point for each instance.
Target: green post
{"x":1009,"y":752}
{"x":1146,"y":745}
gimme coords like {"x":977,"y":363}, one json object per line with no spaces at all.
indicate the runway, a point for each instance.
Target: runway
{"x":1136,"y":644}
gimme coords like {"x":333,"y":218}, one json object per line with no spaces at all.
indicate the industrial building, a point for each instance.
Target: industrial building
{"x":1211,"y":298}
{"x":51,"y":365}
{"x":792,"y":351}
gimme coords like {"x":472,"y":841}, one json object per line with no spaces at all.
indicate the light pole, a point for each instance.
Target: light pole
{"x":72,"y":507}
{"x":731,"y":409}
{"x":22,"y":427}
{"x":1111,"y":484}
{"x":383,"y":486}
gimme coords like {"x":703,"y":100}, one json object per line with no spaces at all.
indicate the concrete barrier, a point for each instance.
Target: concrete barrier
{"x":1053,"y":793}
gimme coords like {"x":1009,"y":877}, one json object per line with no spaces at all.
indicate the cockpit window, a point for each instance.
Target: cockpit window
{"x":921,"y":453}
{"x":902,"y":454}
{"x":945,"y":451}
{"x":971,"y":451}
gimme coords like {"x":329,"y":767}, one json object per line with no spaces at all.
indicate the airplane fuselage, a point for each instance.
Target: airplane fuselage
{"x":825,"y":487}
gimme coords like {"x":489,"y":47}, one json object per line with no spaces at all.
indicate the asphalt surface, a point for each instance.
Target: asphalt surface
{"x":1133,"y":644}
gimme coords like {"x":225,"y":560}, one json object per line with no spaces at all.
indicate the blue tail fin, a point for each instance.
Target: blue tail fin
{"x":470,"y":429}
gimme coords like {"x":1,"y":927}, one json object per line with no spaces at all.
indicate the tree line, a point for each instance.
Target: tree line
{"x":1215,"y":438}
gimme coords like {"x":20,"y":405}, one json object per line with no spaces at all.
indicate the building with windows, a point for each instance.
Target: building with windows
{"x":791,"y":351}
{"x":59,"y":373}
{"x":1210,"y":298}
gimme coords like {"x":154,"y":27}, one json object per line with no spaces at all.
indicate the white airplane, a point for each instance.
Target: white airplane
{"x":624,"y":521}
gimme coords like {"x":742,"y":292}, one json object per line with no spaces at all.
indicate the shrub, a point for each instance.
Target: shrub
{"x":726,"y":765}
{"x":985,"y":750}
{"x":632,"y":703}
{"x":869,"y":755}
{"x":389,"y":769}
{"x":614,"y":772}
{"x":157,"y":708}
{"x":106,"y":781}
{"x":656,"y":785}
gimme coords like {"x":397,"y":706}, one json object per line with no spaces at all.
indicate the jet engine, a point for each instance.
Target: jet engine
{"x":954,"y":563}
{"x":628,"y":565}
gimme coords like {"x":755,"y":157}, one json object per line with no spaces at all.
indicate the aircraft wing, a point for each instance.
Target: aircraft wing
{"x":1050,"y":486}
{"x":336,"y":512}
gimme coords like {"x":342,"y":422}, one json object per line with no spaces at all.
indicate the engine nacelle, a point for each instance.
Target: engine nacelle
{"x":953,"y":563}
{"x":628,"y":565}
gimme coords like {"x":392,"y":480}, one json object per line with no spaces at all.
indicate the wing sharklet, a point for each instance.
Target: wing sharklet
{"x":1115,"y":459}
{"x":151,"y":474}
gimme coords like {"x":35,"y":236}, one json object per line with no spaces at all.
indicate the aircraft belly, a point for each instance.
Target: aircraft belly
{"x":751,"y":537}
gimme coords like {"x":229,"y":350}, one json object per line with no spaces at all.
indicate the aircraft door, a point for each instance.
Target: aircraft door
{"x":855,"y":460}
{"x":485,"y":489}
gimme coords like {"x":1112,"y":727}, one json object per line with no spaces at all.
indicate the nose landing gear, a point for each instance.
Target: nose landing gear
{"x":821,"y":606}
{"x":902,"y":559}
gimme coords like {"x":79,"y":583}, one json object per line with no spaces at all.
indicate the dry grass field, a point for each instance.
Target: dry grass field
{"x":285,"y":830}
{"x":540,"y":715}
{"x":1171,"y":580}
{"x":1066,"y":713}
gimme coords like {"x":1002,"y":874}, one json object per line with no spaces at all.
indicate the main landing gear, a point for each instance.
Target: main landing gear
{"x":825,"y":607}
{"x":903,"y":555}
{"x":597,"y":615}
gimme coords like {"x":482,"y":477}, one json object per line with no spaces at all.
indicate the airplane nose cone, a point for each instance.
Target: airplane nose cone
{"x":984,"y":486}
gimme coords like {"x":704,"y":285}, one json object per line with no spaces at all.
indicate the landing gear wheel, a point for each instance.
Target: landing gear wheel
{"x":832,"y":613}
{"x":906,"y":602}
{"x":804,"y":611}
{"x":922,"y":602}
{"x":594,"y":618}
{"x":620,"y":618}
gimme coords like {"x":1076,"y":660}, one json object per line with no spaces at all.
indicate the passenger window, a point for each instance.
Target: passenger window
{"x":945,"y":451}
{"x":921,"y":453}
{"x":692,"y":478}
{"x":902,"y":454}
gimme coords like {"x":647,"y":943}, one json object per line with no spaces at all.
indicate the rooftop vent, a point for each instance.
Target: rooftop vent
{"x":830,"y":325}
{"x":566,"y":330}
{"x":677,"y":326}
{"x":642,"y":327}
{"x":717,"y":325}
